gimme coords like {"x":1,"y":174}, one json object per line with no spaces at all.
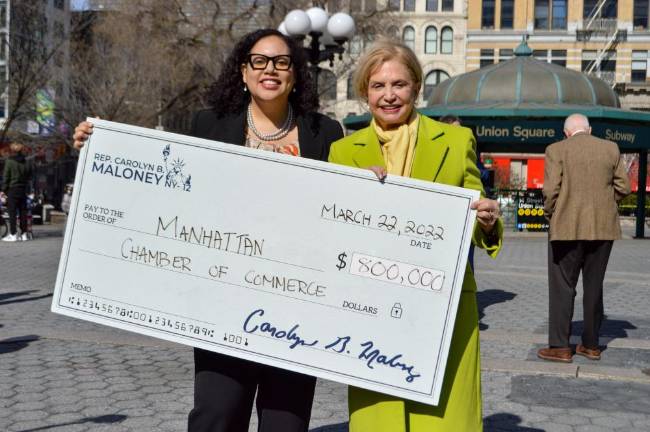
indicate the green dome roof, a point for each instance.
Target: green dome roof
{"x":523,"y":82}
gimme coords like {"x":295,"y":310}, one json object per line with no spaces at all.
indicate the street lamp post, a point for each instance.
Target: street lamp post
{"x":327,"y":33}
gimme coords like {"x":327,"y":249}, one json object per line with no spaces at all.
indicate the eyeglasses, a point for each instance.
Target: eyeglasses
{"x":260,"y":61}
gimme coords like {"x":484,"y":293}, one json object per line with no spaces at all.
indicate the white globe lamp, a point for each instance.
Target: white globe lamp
{"x":318,"y":18}
{"x":282,"y":28}
{"x":297,"y":23}
{"x":341,"y":26}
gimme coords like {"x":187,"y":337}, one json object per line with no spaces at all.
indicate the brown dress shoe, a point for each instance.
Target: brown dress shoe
{"x":563,"y":355}
{"x":590,"y":353}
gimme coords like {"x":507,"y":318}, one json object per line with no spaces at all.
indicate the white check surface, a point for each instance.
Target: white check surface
{"x":299,"y":264}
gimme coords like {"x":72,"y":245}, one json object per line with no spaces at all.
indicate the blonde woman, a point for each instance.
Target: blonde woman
{"x":399,"y":141}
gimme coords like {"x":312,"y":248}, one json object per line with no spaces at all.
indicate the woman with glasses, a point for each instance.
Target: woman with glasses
{"x":262,"y":99}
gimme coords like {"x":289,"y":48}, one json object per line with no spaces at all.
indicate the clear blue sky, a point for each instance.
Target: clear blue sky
{"x":78,"y":4}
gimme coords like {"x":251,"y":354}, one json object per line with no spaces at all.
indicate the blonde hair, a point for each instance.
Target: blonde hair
{"x":382,"y":51}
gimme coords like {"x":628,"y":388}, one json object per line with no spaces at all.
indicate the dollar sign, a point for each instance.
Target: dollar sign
{"x":341,"y":265}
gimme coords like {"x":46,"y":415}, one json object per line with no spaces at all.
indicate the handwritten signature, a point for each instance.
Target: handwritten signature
{"x":267,"y":328}
{"x":371,"y":355}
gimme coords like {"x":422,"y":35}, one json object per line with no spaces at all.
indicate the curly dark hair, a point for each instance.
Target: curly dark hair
{"x":226,"y":95}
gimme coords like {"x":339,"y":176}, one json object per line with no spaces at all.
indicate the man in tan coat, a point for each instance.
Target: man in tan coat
{"x":584,"y":177}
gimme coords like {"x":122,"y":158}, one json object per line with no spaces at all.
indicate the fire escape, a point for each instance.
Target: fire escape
{"x":595,"y":28}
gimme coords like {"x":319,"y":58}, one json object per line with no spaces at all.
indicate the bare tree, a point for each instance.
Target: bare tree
{"x":150,"y":59}
{"x":31,"y":54}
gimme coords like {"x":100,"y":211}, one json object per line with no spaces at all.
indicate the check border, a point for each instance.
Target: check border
{"x":288,"y":160}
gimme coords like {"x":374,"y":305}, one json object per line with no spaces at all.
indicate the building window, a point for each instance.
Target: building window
{"x":639,"y":66}
{"x":446,"y":41}
{"x":356,"y":45}
{"x":369,"y":35}
{"x":487,"y":14}
{"x":58,"y":89}
{"x":432,"y":5}
{"x":487,"y":57}
{"x":602,"y":65}
{"x":327,"y":84}
{"x":558,"y":12}
{"x":408,"y":37}
{"x":505,"y":55}
{"x":58,"y":58}
{"x":550,"y":14}
{"x":447,"y":5}
{"x":59,"y":31}
{"x":3,"y":18}
{"x":431,"y":40}
{"x":592,"y":8}
{"x":393,"y":5}
{"x":588,"y":57}
{"x":432,"y":79}
{"x":541,"y":14}
{"x":558,"y":57}
{"x":3,"y":46}
{"x":507,"y":13}
{"x":351,"y":94}
{"x":393,"y":32}
{"x":409,"y":5}
{"x":640,"y":14}
{"x":541,"y":55}
{"x":608,"y":62}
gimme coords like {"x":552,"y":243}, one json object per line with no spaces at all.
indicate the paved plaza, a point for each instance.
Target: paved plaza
{"x":61,"y":374}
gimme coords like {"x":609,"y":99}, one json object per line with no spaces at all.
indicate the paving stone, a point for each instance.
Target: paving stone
{"x":612,"y":422}
{"x":91,"y":385}
{"x":19,"y":416}
{"x":130,"y":403}
{"x":35,"y":425}
{"x":173,"y":425}
{"x":553,"y":427}
{"x":94,"y":393}
{"x":63,"y":407}
{"x":28,"y":406}
{"x":155,"y":389}
{"x":592,"y":428}
{"x":572,"y":420}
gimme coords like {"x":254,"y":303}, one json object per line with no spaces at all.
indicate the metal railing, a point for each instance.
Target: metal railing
{"x":605,"y":26}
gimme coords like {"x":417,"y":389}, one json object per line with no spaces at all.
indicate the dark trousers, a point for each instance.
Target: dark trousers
{"x":566,"y":259}
{"x":224,"y":389}
{"x":17,"y":202}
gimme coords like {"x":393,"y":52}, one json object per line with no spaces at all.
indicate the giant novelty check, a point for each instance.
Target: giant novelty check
{"x":299,"y":264}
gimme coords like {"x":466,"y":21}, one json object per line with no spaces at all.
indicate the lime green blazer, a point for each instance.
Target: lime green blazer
{"x":443,"y":153}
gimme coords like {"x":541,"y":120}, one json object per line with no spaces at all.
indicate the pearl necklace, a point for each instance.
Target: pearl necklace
{"x":273,"y":136}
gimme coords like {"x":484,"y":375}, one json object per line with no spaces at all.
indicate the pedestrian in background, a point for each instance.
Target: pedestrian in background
{"x":584,"y":177}
{"x":16,"y":177}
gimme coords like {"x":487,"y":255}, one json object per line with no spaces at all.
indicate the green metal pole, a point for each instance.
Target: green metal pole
{"x":641,"y":194}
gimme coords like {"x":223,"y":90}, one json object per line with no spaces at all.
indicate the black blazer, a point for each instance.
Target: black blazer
{"x":316,"y":132}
